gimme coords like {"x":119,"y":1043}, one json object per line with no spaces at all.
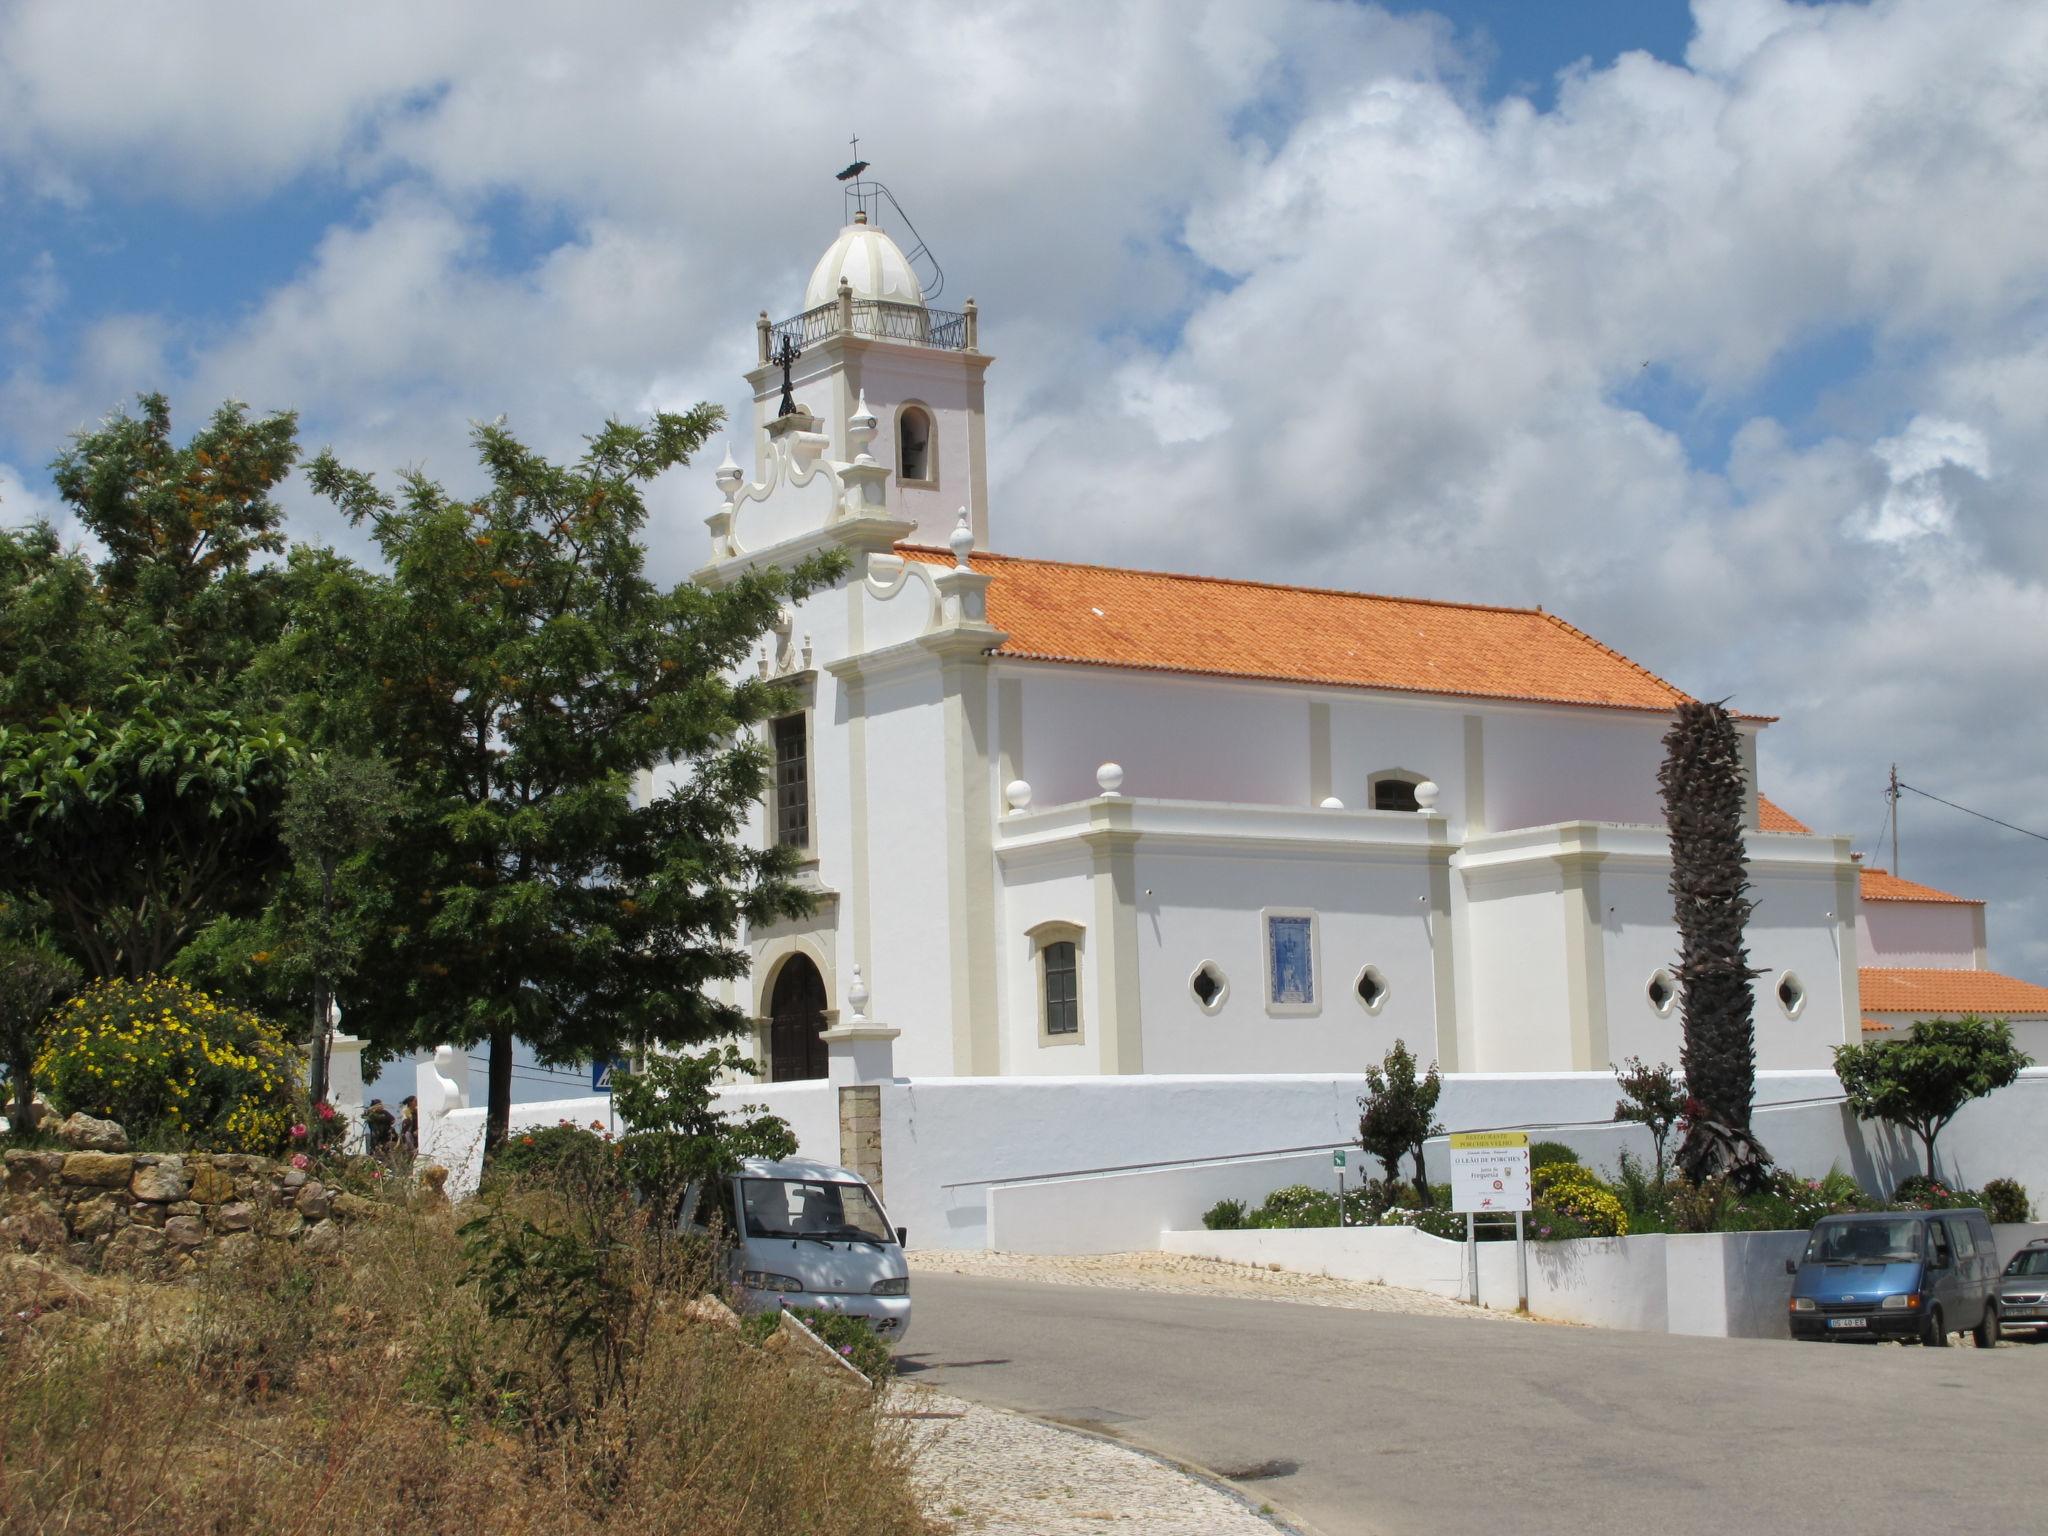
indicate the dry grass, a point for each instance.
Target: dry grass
{"x":374,"y":1392}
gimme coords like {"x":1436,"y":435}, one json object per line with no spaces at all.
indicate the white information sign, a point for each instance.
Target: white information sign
{"x":1490,"y":1171}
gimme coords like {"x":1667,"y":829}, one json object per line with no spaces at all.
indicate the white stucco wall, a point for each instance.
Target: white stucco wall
{"x":1572,"y":765}
{"x":1918,"y":933}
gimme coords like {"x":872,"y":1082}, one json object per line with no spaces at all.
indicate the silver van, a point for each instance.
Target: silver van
{"x":807,"y":1234}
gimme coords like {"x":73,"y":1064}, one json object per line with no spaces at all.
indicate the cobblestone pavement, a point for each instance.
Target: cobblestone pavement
{"x":990,"y":1473}
{"x":1189,"y":1275}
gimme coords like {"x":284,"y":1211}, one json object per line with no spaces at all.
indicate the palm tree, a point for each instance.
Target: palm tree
{"x":1702,"y":785}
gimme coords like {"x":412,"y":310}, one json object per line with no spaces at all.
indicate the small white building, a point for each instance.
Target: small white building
{"x":1074,"y":820}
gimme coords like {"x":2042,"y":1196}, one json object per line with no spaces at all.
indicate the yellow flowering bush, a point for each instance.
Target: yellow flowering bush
{"x":173,"y":1065}
{"x":1577,"y":1194}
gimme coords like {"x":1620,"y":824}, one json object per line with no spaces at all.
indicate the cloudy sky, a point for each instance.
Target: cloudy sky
{"x":1721,"y":329}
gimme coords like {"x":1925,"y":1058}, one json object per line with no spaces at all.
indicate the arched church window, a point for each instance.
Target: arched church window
{"x":1058,"y":948}
{"x":914,"y":444}
{"x":796,"y":1022}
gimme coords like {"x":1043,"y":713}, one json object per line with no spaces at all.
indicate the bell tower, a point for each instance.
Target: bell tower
{"x":879,"y":365}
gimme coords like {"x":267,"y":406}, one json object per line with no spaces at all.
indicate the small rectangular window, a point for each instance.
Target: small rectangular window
{"x":1062,"y":997}
{"x":792,"y":782}
{"x":1394,"y":795}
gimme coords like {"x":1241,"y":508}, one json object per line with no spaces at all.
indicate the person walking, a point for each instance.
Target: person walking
{"x":409,"y":1126}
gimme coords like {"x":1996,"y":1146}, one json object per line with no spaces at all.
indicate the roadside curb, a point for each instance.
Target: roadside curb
{"x":1264,"y":1508}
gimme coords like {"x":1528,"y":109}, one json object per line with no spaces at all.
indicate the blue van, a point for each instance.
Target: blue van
{"x":1917,"y":1276}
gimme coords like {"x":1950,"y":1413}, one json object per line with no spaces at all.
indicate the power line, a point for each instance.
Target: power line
{"x":2023,"y":831}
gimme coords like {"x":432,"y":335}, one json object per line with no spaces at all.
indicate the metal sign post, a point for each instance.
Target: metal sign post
{"x":1337,"y":1159}
{"x":1490,"y":1175}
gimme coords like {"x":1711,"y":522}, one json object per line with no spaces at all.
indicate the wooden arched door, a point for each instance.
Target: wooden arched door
{"x":796,"y":1020}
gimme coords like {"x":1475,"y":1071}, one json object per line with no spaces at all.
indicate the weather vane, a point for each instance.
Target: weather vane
{"x":787,"y":355}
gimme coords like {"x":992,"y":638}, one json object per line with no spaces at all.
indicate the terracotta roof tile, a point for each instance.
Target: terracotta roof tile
{"x":1103,"y":616}
{"x":1772,"y":817}
{"x":1880,"y":886}
{"x":1876,"y":1026}
{"x":1932,"y":993}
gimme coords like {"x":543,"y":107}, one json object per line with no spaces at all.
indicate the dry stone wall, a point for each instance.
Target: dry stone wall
{"x":157,"y":1213}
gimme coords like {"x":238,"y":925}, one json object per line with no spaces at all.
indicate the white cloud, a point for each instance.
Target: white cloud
{"x":1268,"y":286}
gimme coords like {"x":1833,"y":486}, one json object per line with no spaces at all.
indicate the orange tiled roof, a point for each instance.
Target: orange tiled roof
{"x":1101,"y":616}
{"x":1878,"y":885}
{"x":1772,"y":817}
{"x":1932,"y":993}
{"x":1875,"y":1026}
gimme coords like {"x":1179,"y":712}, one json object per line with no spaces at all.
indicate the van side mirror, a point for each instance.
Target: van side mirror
{"x":1791,"y":1266}
{"x":903,"y":1237}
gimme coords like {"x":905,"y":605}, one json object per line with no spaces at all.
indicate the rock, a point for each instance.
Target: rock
{"x":185,"y":1231}
{"x":355,"y":1207}
{"x":144,"y":1214}
{"x":108,"y":1170}
{"x":434,"y":1184}
{"x":322,"y":1240}
{"x":209,"y":1183}
{"x":88,"y":1134}
{"x":184,"y":1208}
{"x":29,"y":1173}
{"x":235,"y":1216}
{"x":33,"y":1226}
{"x":98,"y":1217}
{"x":709,"y":1309}
{"x":313,"y":1201}
{"x":294,"y":1179}
{"x":162,"y":1181}
{"x":132,"y":1249}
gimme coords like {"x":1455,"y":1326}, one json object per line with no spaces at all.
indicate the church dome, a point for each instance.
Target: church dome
{"x":872,"y":264}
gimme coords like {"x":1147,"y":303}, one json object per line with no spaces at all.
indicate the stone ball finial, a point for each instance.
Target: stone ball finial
{"x":1109,"y":778}
{"x":961,"y":541}
{"x":1331,"y":803}
{"x":1018,"y":793}
{"x":857,"y":998}
{"x":728,"y":474}
{"x":1425,"y":795}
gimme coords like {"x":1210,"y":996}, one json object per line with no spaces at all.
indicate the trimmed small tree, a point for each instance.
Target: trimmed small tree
{"x":1702,"y":784}
{"x":1652,"y":1097}
{"x":1922,"y":1080}
{"x":1398,"y":1114}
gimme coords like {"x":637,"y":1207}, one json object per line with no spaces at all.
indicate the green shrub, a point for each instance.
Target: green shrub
{"x":1586,"y":1203}
{"x":1224,"y":1216}
{"x":1544,"y":1153}
{"x":1298,"y":1205}
{"x":555,"y":1151}
{"x":1542,"y":1179}
{"x":175,"y":1067}
{"x":1920,"y":1193}
{"x":853,"y":1337}
{"x":2005,"y":1200}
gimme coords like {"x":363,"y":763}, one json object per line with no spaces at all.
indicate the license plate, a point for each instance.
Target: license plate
{"x":2022,"y":1311}
{"x":1848,"y":1322}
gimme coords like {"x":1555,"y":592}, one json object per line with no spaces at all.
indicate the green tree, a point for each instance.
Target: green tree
{"x":1702,"y":784}
{"x":1922,"y":1080}
{"x":521,"y":673}
{"x":1398,"y":1114}
{"x":137,"y":826}
{"x":677,"y":1133}
{"x":1652,"y":1097}
{"x":34,"y":976}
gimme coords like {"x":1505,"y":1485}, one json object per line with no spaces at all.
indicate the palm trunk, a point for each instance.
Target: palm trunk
{"x":498,"y":1116}
{"x":316,"y":1072}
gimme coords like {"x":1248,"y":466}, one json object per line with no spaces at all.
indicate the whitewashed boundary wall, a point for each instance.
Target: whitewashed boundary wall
{"x":1718,"y":1285}
{"x":1095,"y":1164}
{"x":456,"y":1140}
{"x":1111,"y":1162}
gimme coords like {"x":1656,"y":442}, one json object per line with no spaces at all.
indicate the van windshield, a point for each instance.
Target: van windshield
{"x":813,"y":1208}
{"x":1876,"y":1241}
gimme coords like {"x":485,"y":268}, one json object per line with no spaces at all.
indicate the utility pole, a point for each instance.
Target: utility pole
{"x":1892,"y":793}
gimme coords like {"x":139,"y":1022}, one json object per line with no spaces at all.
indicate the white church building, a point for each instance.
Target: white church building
{"x":1068,"y":820}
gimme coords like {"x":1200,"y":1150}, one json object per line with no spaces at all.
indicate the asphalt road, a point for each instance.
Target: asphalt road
{"x":1371,"y":1424}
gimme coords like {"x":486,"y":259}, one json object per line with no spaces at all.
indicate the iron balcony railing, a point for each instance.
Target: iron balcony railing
{"x":948,"y":329}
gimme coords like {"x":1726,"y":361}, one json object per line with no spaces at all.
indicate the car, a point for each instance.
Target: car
{"x":1916,"y":1276}
{"x":805,"y":1234}
{"x":2023,"y":1293}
